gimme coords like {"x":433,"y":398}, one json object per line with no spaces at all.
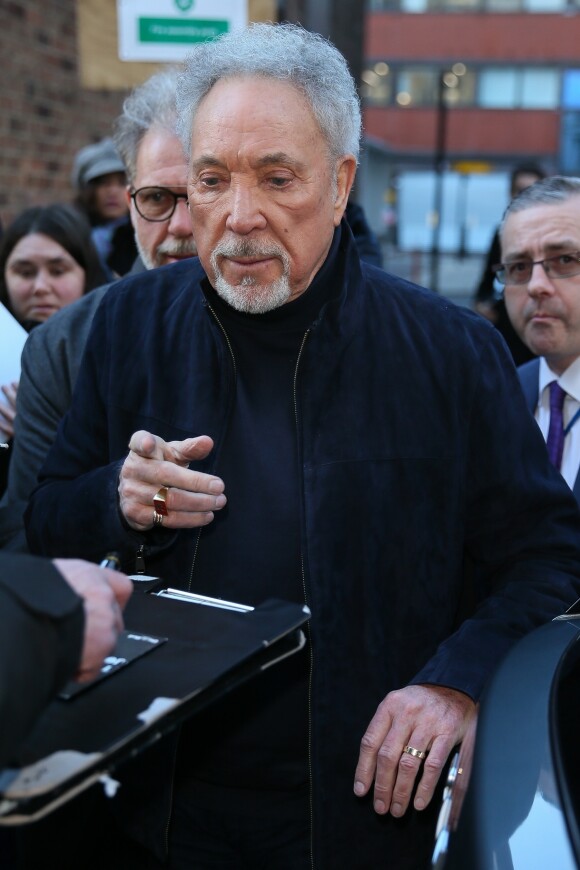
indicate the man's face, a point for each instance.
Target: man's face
{"x":264,"y":196}
{"x":161,"y":163}
{"x":546,"y":311}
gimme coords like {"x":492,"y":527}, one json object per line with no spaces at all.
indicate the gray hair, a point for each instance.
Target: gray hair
{"x":280,"y":51}
{"x":151,"y":104}
{"x":548,"y":191}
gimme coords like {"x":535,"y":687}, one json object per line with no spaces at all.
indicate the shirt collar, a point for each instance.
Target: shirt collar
{"x":569,"y":380}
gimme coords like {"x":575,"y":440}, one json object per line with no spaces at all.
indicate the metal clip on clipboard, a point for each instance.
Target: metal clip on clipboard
{"x":194,"y":598}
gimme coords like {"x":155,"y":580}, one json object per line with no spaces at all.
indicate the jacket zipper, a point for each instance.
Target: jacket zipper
{"x":140,"y":560}
{"x":229,"y":346}
{"x":295,"y":393}
{"x":189,"y":582}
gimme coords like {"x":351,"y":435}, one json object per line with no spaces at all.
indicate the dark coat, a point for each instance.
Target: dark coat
{"x":41,"y":633}
{"x":417,"y":454}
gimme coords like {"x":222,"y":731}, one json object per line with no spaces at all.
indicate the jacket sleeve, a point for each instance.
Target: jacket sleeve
{"x":521,"y":532}
{"x":41,"y":633}
{"x":74,"y":511}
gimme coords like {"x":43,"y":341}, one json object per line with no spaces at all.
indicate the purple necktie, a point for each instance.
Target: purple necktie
{"x":555,"y":440}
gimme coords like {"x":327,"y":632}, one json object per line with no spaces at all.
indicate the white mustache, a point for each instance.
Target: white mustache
{"x":176,"y":248}
{"x":249,"y":248}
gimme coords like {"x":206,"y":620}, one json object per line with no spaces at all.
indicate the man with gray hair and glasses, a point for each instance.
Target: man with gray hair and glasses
{"x":280,"y":419}
{"x":540,"y":240}
{"x":146,"y":139}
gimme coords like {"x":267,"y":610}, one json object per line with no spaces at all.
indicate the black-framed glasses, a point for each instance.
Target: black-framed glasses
{"x":520,"y":271}
{"x":156,"y":203}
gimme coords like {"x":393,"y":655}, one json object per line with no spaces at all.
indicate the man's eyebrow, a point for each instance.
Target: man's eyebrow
{"x":279,"y":158}
{"x":564,"y":245}
{"x":551,"y":247}
{"x":206,"y":160}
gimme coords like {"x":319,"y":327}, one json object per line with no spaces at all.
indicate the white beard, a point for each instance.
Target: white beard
{"x":248,"y":296}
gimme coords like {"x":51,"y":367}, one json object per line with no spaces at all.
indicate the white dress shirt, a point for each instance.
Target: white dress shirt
{"x":570,"y":382}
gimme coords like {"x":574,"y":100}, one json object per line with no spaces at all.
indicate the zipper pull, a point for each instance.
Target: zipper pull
{"x":140,"y":560}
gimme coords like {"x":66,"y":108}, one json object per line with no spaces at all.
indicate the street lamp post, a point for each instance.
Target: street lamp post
{"x":439,"y":166}
{"x":448,"y":94}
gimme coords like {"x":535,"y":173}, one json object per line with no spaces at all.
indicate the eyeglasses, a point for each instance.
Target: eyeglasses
{"x":156,"y":203}
{"x":520,"y":271}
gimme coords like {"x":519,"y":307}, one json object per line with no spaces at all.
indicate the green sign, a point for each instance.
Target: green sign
{"x":180,"y":30}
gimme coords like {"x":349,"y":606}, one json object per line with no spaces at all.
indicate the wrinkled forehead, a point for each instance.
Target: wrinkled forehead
{"x":542,"y":227}
{"x":255,"y":106}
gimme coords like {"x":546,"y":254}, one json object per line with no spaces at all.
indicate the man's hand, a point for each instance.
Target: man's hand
{"x":430,"y":718}
{"x":105,"y":594}
{"x":152,"y":463}
{"x":8,"y":411}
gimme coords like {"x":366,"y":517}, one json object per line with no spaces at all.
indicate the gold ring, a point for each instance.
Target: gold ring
{"x":159,"y":505}
{"x":416,"y":753}
{"x":157,"y":518}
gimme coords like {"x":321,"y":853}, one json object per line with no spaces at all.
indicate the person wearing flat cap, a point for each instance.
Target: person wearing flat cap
{"x":99,"y":178}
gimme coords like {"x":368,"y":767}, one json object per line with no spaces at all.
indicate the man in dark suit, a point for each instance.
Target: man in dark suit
{"x":540,"y":237}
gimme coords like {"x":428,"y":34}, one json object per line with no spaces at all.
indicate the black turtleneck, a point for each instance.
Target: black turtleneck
{"x":258,"y":737}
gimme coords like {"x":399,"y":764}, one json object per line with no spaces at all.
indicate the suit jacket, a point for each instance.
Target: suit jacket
{"x":41,"y":633}
{"x":529,"y":375}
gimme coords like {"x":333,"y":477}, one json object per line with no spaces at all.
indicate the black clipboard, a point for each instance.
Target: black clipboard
{"x":199,"y":649}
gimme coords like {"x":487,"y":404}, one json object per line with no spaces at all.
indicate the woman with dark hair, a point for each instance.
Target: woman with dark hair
{"x":47,"y":261}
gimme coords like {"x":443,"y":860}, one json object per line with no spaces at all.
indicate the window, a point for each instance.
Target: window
{"x":418,"y":6}
{"x":506,"y":87}
{"x":460,"y":85}
{"x":540,"y":89}
{"x":417,"y":87}
{"x":497,"y":88}
{"x":511,"y":88}
{"x":376,"y":86}
{"x":571,"y":89}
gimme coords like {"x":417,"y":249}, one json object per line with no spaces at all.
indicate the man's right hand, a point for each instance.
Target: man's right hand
{"x":105,"y":594}
{"x":153,"y":463}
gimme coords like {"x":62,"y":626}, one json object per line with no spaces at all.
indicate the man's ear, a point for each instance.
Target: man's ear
{"x":345,"y":173}
{"x":130,"y":203}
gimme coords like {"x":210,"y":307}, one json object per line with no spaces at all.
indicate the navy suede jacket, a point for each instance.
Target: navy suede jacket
{"x":417,"y":455}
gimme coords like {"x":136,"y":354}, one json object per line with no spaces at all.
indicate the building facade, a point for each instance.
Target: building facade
{"x":456,"y":93}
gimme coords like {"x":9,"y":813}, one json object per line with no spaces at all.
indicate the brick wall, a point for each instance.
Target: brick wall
{"x":45,"y":114}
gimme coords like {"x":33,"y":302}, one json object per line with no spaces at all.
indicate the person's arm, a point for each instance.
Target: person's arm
{"x":522,"y":533}
{"x":97,"y":490}
{"x":55,"y":623}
